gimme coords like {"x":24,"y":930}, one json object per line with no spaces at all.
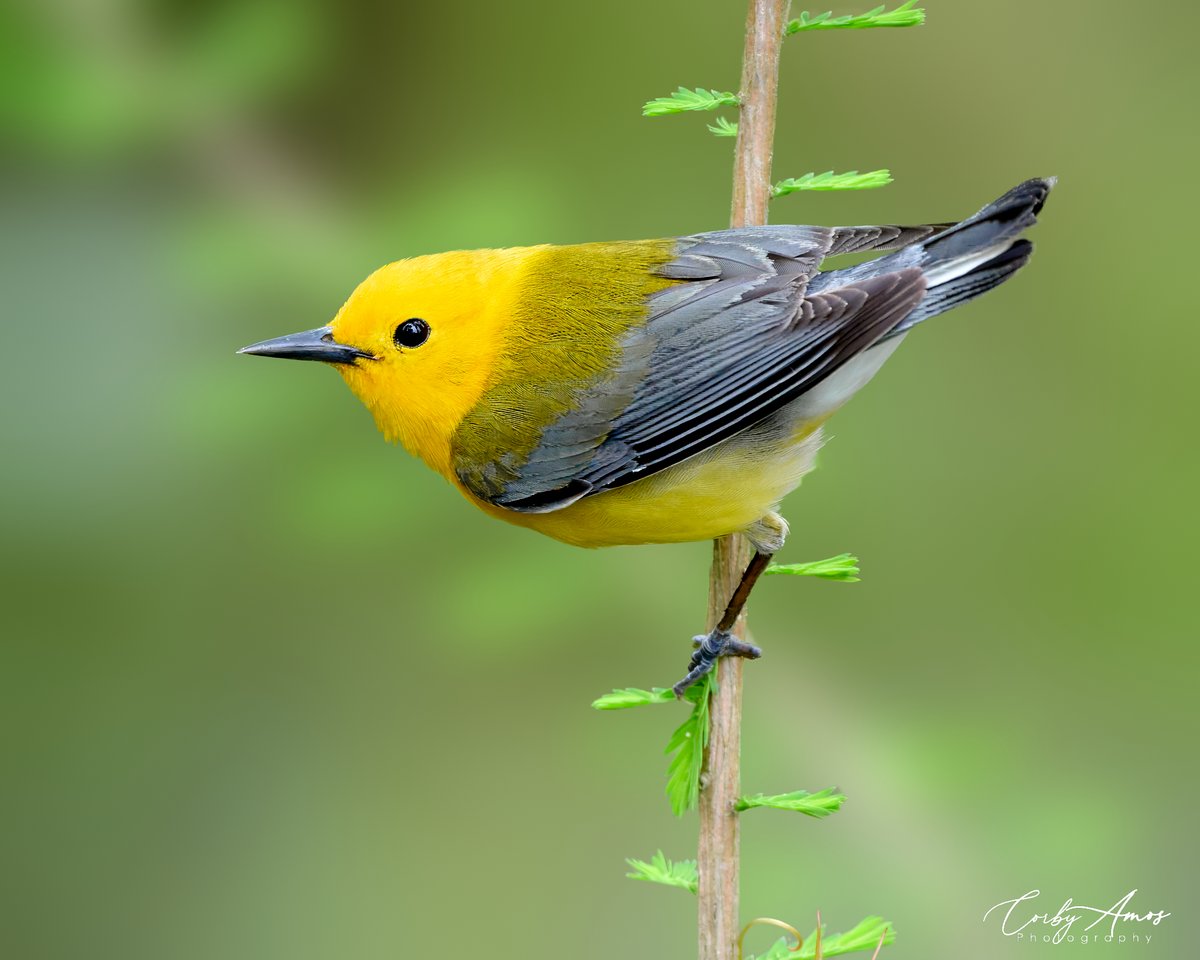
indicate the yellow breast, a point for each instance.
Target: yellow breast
{"x":723,"y":490}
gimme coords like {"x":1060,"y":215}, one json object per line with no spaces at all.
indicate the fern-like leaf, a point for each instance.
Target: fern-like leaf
{"x":683,"y":100}
{"x":908,"y":14}
{"x":686,"y":746}
{"x":678,"y":873}
{"x":843,"y":567}
{"x":819,"y":804}
{"x":723,"y":128}
{"x":851,"y":180}
{"x":865,"y":936}
{"x":628,"y":697}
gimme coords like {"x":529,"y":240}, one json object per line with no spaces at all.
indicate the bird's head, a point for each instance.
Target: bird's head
{"x":417,"y":342}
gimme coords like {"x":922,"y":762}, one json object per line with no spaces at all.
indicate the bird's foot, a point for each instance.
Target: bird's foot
{"x":709,"y":648}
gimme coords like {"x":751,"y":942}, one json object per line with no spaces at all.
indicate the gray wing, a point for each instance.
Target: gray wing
{"x":734,"y":341}
{"x":880,"y":237}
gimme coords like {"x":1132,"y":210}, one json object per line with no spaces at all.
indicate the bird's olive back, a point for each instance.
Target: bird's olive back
{"x":561,"y":341}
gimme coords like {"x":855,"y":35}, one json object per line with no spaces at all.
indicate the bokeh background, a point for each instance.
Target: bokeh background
{"x":274,"y":691}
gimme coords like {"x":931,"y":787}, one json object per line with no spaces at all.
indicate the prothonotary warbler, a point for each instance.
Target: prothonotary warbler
{"x":653,"y":391}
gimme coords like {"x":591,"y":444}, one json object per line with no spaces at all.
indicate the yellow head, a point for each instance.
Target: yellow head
{"x":417,"y":342}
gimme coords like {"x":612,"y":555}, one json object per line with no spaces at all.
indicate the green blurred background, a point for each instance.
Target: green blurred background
{"x":274,"y":691}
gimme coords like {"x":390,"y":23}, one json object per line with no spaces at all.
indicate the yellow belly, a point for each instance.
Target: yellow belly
{"x":723,"y":490}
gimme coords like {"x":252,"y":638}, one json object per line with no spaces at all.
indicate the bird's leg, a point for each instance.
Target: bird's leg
{"x":767,"y":535}
{"x":722,"y":643}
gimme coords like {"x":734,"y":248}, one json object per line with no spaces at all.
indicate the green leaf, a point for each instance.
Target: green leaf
{"x":628,"y":697}
{"x":680,"y":873}
{"x":723,"y":128}
{"x":684,"y":99}
{"x":779,"y":950}
{"x":863,"y":937}
{"x":819,"y":804}
{"x":906,"y":15}
{"x":852,"y":180}
{"x":843,"y":567}
{"x":687,"y":745}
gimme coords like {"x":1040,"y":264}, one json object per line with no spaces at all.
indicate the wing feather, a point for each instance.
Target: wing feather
{"x":732,"y":340}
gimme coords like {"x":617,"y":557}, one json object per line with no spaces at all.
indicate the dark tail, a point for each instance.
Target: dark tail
{"x":1004,"y":219}
{"x":962,"y":261}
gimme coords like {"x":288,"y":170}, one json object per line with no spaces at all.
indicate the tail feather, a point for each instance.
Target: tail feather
{"x":960,"y":262}
{"x":1003,"y":219}
{"x":991,"y":273}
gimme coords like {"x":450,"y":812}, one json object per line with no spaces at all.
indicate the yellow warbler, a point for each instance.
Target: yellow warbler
{"x":652,"y":391}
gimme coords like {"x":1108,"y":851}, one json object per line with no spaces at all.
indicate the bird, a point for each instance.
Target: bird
{"x":653,"y":391}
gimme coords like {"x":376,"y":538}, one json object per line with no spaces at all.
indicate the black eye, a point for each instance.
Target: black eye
{"x":411,"y":333}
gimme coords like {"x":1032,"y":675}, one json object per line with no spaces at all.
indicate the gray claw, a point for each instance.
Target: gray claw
{"x":709,"y":648}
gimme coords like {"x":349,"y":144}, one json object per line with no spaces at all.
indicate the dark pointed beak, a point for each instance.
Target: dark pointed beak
{"x":310,"y":345}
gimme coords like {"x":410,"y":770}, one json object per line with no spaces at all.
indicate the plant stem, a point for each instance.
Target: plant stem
{"x":756,"y":125}
{"x":718,"y":851}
